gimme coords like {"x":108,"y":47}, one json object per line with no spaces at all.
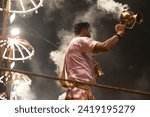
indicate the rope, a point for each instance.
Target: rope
{"x":95,"y":85}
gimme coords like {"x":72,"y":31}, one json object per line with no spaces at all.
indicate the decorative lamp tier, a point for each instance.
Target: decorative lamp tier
{"x":20,"y":49}
{"x":15,"y":79}
{"x":24,"y":6}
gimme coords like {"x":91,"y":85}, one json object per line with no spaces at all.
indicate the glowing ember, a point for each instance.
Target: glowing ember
{"x":20,"y":49}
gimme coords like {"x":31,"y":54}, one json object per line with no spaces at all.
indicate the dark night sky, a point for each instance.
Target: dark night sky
{"x":126,"y":65}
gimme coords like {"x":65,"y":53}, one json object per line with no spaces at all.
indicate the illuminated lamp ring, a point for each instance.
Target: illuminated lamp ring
{"x":26,"y":11}
{"x":16,"y":44}
{"x":12,"y":76}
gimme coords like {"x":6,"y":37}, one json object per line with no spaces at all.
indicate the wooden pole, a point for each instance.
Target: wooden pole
{"x":6,"y":10}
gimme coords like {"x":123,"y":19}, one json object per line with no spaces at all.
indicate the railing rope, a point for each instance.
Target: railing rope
{"x":134,"y":91}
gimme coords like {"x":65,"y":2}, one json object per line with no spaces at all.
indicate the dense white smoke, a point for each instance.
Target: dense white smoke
{"x":58,"y":55}
{"x":112,"y":7}
{"x":21,"y":91}
{"x":20,"y":87}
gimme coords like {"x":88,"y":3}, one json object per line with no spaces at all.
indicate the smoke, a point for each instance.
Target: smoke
{"x":112,"y":7}
{"x":22,"y":91}
{"x":90,"y":16}
{"x":19,"y":87}
{"x":51,"y":6}
{"x":58,"y":55}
